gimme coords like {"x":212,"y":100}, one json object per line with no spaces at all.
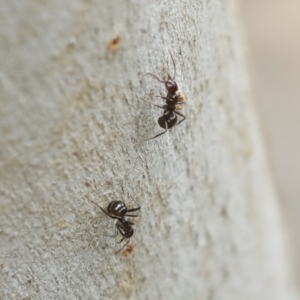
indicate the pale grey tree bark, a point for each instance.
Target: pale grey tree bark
{"x":209,"y":228}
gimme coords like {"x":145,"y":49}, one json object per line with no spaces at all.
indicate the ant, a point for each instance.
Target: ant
{"x":118,"y":210}
{"x":174,"y":102}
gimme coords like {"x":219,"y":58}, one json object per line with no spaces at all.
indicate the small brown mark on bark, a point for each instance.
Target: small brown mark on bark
{"x":115,"y":43}
{"x":129,"y":249}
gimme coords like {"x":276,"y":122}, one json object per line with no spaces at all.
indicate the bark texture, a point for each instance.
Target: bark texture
{"x":70,"y":117}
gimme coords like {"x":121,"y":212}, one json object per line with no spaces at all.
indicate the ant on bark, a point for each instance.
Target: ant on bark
{"x":174,"y":102}
{"x":118,"y":210}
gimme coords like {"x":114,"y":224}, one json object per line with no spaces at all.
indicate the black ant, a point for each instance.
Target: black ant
{"x":174,"y":102}
{"x":118,"y":210}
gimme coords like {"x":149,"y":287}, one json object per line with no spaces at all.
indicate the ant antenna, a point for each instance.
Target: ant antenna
{"x":99,"y":207}
{"x":134,"y":201}
{"x":174,"y":65}
{"x":150,"y":103}
{"x":153,"y":75}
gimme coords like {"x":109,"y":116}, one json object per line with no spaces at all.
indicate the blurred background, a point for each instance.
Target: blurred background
{"x":273,"y":36}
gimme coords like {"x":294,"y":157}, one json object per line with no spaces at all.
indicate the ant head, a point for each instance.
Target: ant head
{"x":129,"y":233}
{"x":171,"y":85}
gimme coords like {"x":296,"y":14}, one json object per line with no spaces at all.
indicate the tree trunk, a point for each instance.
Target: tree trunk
{"x":70,"y":119}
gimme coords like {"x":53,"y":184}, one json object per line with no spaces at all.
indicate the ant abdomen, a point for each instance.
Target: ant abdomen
{"x":167,"y":120}
{"x":117,"y":209}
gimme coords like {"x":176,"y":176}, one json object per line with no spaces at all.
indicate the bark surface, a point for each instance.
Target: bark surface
{"x":70,"y":118}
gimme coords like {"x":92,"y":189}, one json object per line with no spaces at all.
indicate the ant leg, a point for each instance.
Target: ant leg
{"x":121,"y":240}
{"x":173,"y":64}
{"x":122,"y":233}
{"x":131,"y":215}
{"x":124,"y":245}
{"x":133,"y":209}
{"x":183,"y":117}
{"x":159,"y":133}
{"x":155,"y":77}
{"x":143,"y":141}
{"x":116,"y":232}
{"x":155,"y":136}
{"x":101,"y":208}
{"x":151,"y":103}
{"x":136,"y":203}
{"x":118,"y":229}
{"x":165,"y":98}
